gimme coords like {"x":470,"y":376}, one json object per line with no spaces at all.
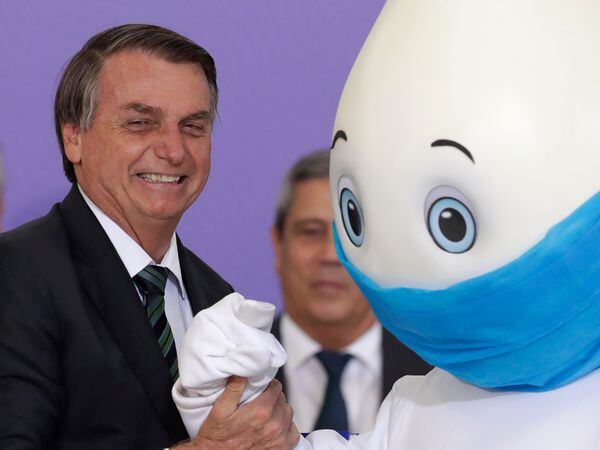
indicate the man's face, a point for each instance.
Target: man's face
{"x":317,"y":289}
{"x":146,"y":156}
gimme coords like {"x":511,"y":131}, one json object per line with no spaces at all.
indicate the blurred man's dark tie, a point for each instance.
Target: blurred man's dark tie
{"x":333,"y":413}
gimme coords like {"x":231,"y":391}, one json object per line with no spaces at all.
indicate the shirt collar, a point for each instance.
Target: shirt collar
{"x":300,"y":346}
{"x":367,"y":348}
{"x":134,"y":257}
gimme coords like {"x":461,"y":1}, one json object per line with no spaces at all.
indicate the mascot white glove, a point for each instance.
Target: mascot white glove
{"x":232,"y":337}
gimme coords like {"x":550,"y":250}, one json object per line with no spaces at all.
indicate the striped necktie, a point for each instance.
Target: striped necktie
{"x":333,"y":415}
{"x":151,"y":282}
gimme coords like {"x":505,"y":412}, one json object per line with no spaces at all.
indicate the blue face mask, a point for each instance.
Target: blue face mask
{"x":531,"y":325}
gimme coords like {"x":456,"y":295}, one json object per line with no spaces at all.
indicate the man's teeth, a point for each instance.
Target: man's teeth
{"x":155,"y":178}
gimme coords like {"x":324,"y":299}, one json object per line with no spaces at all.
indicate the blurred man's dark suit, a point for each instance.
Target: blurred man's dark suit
{"x":80,"y":367}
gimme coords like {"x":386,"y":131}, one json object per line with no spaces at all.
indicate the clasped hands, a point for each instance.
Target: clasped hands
{"x":226,"y":394}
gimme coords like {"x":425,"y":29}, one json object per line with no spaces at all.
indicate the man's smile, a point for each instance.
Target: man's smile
{"x":161,"y":178}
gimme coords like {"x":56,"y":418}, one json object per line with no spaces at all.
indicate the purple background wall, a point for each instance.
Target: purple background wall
{"x":281,"y":65}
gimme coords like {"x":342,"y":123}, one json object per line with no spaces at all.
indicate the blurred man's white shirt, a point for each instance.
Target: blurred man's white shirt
{"x":306,"y":378}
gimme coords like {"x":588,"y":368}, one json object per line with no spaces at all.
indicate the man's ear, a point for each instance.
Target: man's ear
{"x":276,"y":240}
{"x":71,"y":136}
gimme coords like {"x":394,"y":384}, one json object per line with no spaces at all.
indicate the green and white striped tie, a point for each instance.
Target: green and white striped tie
{"x":151,"y":282}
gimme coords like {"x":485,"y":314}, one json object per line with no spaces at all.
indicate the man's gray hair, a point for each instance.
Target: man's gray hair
{"x":77,"y":93}
{"x":311,"y":166}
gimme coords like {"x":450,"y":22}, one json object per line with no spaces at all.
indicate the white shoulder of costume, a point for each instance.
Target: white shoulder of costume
{"x":441,"y":411}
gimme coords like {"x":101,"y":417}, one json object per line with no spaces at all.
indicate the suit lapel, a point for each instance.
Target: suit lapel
{"x":391,"y":362}
{"x":399,"y":360}
{"x":276,"y":331}
{"x":109,"y":286}
{"x":197,"y":295}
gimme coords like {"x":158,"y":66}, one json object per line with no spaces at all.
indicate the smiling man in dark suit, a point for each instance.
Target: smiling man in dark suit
{"x":341,"y":362}
{"x":97,"y":295}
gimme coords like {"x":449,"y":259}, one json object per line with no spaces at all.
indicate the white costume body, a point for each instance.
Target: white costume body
{"x":439,"y":412}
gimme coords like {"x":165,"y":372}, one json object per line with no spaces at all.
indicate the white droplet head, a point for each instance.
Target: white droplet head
{"x":470,"y":127}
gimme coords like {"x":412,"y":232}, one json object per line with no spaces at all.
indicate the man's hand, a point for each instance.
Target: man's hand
{"x":264,"y":423}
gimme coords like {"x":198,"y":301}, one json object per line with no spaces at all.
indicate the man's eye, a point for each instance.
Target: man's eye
{"x":140,"y":124}
{"x":195,"y":129}
{"x":310,"y":231}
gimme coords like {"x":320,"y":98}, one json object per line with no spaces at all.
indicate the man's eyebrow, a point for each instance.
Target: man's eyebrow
{"x":147,"y":109}
{"x":339,"y":134}
{"x":309,"y":221}
{"x":142,"y":108}
{"x":449,"y":143}
{"x":199,"y":115}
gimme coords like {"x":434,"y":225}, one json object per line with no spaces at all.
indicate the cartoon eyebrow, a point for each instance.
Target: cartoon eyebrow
{"x":449,"y":143}
{"x":339,"y":134}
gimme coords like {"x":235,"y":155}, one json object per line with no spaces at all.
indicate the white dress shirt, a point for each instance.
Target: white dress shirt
{"x":306,"y":378}
{"x":134,"y":257}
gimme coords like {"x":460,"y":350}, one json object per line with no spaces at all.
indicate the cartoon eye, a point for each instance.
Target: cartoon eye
{"x":352,"y":216}
{"x":450,"y":221}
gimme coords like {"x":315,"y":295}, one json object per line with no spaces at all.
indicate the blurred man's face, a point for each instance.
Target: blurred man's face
{"x":146,"y":156}
{"x":316,"y":288}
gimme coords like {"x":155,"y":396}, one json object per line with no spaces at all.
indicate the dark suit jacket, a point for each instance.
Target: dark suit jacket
{"x":80,"y":367}
{"x":398,"y":360}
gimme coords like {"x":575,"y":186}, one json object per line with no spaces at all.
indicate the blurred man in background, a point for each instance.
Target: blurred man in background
{"x":341,"y":361}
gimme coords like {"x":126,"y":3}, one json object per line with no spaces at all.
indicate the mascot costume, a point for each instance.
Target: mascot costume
{"x":465,"y":175}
